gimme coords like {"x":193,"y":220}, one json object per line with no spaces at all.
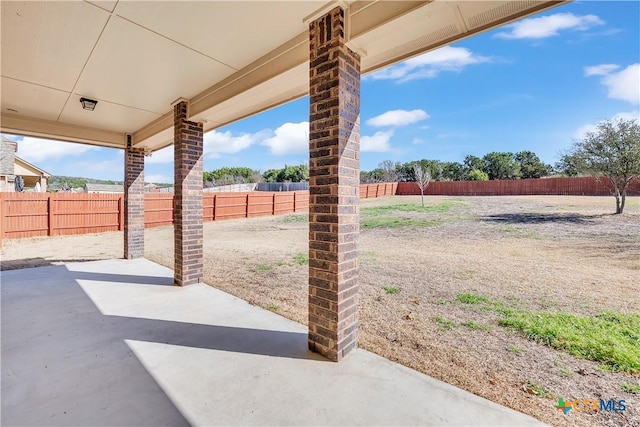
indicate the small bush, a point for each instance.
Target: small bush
{"x":468,"y":298}
{"x":301,"y":259}
{"x":476,"y":326}
{"x":444,"y":322}
{"x":390,"y":290}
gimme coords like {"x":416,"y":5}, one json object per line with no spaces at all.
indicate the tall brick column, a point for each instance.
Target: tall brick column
{"x":334,"y":184}
{"x":187,"y":210}
{"x":133,"y":202}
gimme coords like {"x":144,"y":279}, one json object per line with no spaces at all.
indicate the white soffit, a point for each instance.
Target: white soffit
{"x":289,"y":85}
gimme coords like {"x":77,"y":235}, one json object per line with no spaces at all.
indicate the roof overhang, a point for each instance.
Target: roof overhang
{"x":229,"y":59}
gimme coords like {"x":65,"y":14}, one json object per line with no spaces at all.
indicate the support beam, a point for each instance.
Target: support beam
{"x":133,"y":202}
{"x":334,"y":184}
{"x":187,"y":211}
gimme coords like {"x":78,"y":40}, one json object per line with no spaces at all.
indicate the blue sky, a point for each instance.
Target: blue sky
{"x":534,"y":85}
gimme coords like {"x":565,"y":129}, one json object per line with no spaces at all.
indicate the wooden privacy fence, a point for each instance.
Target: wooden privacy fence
{"x":582,"y":186}
{"x":52,"y":214}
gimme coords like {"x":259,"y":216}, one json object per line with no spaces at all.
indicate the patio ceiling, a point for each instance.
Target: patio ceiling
{"x":229,"y":59}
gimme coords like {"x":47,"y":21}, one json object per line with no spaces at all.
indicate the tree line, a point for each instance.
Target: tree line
{"x":610,"y":152}
{"x":243,"y":175}
{"x":494,"y":165}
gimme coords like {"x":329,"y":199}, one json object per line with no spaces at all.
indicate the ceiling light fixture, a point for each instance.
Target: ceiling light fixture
{"x":88,"y":104}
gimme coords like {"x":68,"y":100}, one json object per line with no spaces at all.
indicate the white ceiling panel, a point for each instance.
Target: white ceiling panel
{"x":138,"y":68}
{"x":48,"y":43}
{"x":253,"y":28}
{"x":31,"y":100}
{"x":106,"y":116}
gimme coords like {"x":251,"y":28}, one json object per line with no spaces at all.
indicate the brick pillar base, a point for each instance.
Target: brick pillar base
{"x":133,"y":202}
{"x":187,"y":211}
{"x":334,"y":184}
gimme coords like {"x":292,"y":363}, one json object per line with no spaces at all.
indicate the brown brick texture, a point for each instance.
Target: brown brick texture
{"x":334,"y":185}
{"x":133,"y":202}
{"x":187,"y":210}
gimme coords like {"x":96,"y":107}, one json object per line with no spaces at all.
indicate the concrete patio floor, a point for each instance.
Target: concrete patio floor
{"x":115,"y":343}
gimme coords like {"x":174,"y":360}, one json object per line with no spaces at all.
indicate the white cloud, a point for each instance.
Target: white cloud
{"x":417,"y":141}
{"x":430,"y":64}
{"x":378,"y":142}
{"x":398,"y":118}
{"x":549,"y":26}
{"x":216,"y":143}
{"x":623,"y":85}
{"x":36,"y":150}
{"x":600,"y":70}
{"x":290,"y":138}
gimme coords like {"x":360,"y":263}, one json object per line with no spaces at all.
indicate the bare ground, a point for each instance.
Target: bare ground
{"x":539,"y":253}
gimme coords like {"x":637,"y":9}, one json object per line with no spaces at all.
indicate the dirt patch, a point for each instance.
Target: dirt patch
{"x":537,"y":253}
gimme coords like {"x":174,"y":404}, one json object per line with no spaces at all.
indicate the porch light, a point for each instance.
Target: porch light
{"x":88,"y":104}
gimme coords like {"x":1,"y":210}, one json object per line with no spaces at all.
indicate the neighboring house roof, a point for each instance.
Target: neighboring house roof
{"x":24,"y":168}
{"x":104,"y":188}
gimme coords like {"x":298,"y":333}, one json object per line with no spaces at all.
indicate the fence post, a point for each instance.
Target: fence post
{"x":49,"y":216}
{"x":215,"y":202}
{"x":247,"y":211}
{"x":273,"y":206}
{"x":120,"y":213}
{"x":294,"y":200}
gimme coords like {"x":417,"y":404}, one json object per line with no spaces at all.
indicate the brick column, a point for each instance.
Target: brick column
{"x":334,"y":186}
{"x":133,"y":202}
{"x":187,"y":210}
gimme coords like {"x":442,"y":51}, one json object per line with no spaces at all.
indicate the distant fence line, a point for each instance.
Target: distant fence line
{"x":282,"y":186}
{"x":581,"y":186}
{"x":53,"y":214}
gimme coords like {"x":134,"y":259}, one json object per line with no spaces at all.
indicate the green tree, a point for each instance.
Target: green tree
{"x":477,"y":175}
{"x":473,"y":162}
{"x":270,"y":175}
{"x":568,"y":165}
{"x":530,"y":165}
{"x":297,"y":173}
{"x":611,"y":151}
{"x":231,"y":175}
{"x":501,"y":166}
{"x":452,"y":171}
